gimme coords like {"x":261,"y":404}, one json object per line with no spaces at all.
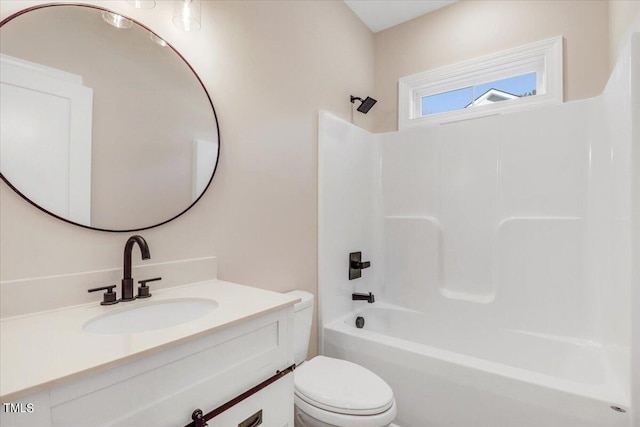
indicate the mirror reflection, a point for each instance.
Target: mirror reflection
{"x":104,"y":127}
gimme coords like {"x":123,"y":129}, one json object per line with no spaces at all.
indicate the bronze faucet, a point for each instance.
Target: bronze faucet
{"x":127,"y":280}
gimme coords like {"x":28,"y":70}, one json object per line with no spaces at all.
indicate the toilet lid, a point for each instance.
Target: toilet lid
{"x":341,"y":386}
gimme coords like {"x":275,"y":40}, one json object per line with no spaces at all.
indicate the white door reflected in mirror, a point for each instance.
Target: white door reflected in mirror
{"x":38,"y":104}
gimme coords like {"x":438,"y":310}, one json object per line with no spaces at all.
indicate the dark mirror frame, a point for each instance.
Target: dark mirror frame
{"x":215,"y":116}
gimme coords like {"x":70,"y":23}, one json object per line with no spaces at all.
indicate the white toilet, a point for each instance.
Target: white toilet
{"x":332,"y":392}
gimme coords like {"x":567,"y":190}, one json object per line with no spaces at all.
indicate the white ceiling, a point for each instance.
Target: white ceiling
{"x":379,"y":15}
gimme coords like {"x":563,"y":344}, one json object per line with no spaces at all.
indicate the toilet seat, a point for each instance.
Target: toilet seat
{"x":343,"y":420}
{"x":341,"y":387}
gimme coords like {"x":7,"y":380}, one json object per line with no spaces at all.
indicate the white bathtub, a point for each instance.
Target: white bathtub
{"x":463,"y":374}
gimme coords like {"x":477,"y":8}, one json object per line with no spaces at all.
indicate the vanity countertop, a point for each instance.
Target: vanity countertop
{"x":45,"y":349}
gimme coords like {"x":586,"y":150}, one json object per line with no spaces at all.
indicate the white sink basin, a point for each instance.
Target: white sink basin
{"x":151,"y":316}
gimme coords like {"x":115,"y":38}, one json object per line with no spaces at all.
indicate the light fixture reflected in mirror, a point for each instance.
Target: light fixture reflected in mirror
{"x":116,"y":20}
{"x":186,"y":14}
{"x":157,"y":39}
{"x":142,"y":4}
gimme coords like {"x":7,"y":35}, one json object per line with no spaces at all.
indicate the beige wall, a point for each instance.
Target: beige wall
{"x":469,"y":29}
{"x":624,"y":17}
{"x":269,"y":67}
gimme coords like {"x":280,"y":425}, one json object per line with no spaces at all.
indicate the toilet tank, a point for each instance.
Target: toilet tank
{"x":303,"y":315}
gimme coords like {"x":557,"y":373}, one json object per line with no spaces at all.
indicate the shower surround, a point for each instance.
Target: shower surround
{"x":500,"y":251}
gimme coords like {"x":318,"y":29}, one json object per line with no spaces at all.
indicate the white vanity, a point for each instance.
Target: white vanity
{"x":59,"y":372}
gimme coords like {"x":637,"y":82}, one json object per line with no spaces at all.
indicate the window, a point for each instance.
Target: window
{"x":507,"y":81}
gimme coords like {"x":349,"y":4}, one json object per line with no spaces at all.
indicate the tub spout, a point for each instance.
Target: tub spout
{"x":363,"y":297}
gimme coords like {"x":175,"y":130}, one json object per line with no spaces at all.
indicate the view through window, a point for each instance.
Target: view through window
{"x":481,"y":94}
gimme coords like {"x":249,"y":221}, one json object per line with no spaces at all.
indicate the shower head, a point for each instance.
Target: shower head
{"x":365,"y":105}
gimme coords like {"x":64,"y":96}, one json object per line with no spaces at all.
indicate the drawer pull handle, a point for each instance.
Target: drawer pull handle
{"x":253,"y":421}
{"x":198,"y":418}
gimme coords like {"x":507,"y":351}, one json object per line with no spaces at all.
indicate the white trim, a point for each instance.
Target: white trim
{"x":543,"y":57}
{"x":203,"y":161}
{"x":42,"y":69}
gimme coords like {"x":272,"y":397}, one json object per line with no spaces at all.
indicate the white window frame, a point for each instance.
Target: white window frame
{"x":543,"y":57}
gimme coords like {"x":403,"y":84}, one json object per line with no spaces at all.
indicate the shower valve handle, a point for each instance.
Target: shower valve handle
{"x":356,"y":265}
{"x":361,"y":265}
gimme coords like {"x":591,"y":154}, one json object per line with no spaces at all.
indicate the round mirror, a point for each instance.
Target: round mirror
{"x":102,"y":124}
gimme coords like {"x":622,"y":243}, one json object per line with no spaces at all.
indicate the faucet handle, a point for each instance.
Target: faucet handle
{"x":143,"y":289}
{"x":109,"y":297}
